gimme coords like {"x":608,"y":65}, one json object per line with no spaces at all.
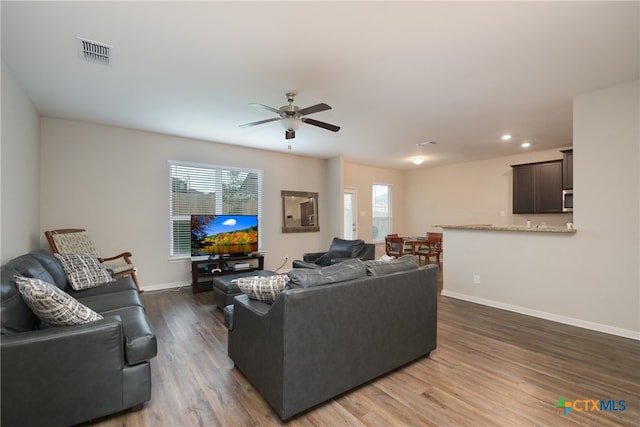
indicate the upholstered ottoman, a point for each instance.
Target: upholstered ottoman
{"x":224,"y":290}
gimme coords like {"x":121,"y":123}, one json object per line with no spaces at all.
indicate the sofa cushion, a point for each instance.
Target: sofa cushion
{"x":404,"y":263}
{"x":29,"y":266}
{"x":84,"y":270}
{"x":15,"y":314}
{"x":328,"y":257}
{"x":261,"y":288}
{"x":340,"y":272}
{"x":121,"y":284}
{"x":50,"y":263}
{"x":52,"y":305}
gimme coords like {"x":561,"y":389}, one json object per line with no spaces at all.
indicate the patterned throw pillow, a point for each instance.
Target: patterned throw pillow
{"x":380,"y":267}
{"x":84,"y":271}
{"x":262,"y":288}
{"x":52,"y":305}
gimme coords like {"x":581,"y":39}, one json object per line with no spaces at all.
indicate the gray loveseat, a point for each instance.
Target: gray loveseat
{"x":65,"y":375}
{"x":326,"y":335}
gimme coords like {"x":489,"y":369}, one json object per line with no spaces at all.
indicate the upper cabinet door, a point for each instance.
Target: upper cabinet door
{"x":567,"y":169}
{"x":523,"y":189}
{"x":537,"y":187}
{"x":549,"y":187}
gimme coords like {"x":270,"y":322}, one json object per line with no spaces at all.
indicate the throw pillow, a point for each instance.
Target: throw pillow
{"x":380,"y":267}
{"x":84,"y":271}
{"x":53,"y":305}
{"x":262,"y":288}
{"x":328,"y":257}
{"x":340,"y":272}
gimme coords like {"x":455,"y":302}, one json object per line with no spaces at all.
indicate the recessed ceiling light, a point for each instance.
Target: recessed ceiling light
{"x":506,"y":137}
{"x":525,"y":145}
{"x":417,"y":160}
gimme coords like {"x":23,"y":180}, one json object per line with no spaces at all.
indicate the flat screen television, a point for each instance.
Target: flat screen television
{"x":223,"y":235}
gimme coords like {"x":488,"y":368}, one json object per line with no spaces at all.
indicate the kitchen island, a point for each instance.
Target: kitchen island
{"x":519,"y":268}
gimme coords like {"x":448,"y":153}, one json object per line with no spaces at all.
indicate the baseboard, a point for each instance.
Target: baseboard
{"x":626,"y":333}
{"x":164,"y":286}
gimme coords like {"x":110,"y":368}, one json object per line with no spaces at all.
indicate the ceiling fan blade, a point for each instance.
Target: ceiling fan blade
{"x":314,"y":109}
{"x":289,"y":134}
{"x":247,"y":125}
{"x":323,"y":125}
{"x":266,"y":107}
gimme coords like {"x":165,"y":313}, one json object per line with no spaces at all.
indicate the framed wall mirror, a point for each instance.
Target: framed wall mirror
{"x":299,"y":212}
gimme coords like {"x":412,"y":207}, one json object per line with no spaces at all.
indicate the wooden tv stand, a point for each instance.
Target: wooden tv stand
{"x":204,"y":271}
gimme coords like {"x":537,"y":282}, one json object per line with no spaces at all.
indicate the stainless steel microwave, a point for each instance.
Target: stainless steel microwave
{"x":567,"y":200}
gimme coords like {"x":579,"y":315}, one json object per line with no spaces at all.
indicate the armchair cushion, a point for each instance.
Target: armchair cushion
{"x":353,"y":247}
{"x":84,"y":270}
{"x":52,"y":305}
{"x":263,"y":288}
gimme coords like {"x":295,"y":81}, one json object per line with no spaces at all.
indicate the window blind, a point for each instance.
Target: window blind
{"x":199,"y":189}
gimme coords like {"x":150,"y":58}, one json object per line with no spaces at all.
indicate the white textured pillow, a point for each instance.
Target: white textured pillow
{"x":263,"y":288}
{"x":84,"y":271}
{"x":52,"y":305}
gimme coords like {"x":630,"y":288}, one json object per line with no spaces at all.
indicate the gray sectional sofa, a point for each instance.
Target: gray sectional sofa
{"x":334,"y":328}
{"x":65,"y":375}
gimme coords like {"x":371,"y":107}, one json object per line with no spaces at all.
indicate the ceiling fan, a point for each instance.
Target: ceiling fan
{"x":292,"y":117}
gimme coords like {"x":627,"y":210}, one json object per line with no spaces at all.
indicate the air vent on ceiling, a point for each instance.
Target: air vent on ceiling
{"x":91,"y":51}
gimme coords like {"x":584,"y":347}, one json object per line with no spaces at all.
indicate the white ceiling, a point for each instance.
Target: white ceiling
{"x":395,"y":73}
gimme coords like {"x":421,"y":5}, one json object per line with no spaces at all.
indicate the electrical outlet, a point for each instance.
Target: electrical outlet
{"x":476,"y":279}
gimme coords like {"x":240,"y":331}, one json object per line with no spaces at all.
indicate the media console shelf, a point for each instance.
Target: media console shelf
{"x":204,"y":271}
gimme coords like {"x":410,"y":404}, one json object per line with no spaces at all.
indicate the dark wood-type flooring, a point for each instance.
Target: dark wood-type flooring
{"x":491,"y":368}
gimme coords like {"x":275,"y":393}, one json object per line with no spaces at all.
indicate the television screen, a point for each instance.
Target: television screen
{"x":223,"y":234}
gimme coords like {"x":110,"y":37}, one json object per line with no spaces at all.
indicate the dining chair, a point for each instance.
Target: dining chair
{"x":431,"y":249}
{"x":394,"y":246}
{"x":76,"y":241}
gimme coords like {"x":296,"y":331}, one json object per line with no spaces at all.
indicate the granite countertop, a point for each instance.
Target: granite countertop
{"x":489,"y":227}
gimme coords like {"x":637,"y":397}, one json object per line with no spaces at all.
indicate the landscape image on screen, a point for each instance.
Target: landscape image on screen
{"x":223,"y":234}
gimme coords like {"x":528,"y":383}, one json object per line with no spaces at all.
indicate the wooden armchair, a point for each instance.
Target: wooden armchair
{"x":76,"y":241}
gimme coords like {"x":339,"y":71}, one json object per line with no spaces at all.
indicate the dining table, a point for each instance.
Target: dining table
{"x":414,"y":242}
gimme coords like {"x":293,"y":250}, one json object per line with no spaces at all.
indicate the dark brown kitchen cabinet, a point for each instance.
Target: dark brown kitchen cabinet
{"x":537,"y":187}
{"x":567,"y":169}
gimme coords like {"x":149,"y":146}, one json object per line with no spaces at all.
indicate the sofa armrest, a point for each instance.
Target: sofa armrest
{"x":304,"y":264}
{"x":312,"y":256}
{"x":368,"y":252}
{"x":62,"y":370}
{"x":256,"y":345}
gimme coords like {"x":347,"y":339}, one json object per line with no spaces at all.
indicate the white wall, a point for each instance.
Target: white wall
{"x":591,"y":278}
{"x":476,"y":192}
{"x":361,"y":178}
{"x":334,"y":199}
{"x":19,"y":184}
{"x":114,"y":182}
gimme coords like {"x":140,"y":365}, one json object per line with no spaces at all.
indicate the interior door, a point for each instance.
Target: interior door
{"x":349,"y":222}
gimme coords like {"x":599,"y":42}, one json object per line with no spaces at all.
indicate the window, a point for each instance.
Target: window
{"x":206,"y":189}
{"x":381,"y":209}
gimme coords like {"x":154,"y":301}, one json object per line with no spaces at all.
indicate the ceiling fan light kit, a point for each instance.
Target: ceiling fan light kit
{"x":292,"y":117}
